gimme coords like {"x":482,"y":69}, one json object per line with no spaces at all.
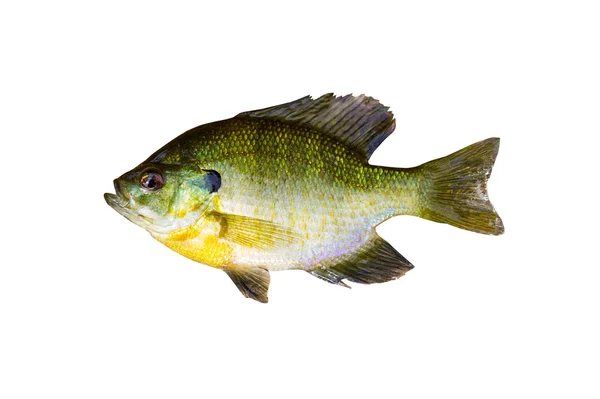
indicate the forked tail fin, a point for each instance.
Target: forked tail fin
{"x":458,"y":189}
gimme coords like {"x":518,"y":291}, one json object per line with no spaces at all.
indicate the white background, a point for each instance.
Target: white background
{"x":92,"y":307}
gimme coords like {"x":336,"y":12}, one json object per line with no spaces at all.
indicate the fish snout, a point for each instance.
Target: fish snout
{"x":119,"y":198}
{"x":122,"y":194}
{"x":117,"y":186}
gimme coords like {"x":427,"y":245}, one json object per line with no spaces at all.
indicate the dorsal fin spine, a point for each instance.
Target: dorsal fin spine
{"x":361,"y":123}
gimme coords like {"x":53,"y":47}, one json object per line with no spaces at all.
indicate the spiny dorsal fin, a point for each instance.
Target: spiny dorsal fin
{"x":252,"y":282}
{"x":361,"y":123}
{"x":376,"y":262}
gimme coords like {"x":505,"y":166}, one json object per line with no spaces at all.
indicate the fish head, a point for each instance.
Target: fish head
{"x":164,"y":198}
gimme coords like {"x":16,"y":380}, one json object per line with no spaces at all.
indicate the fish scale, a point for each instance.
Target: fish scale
{"x":290,"y":187}
{"x":334,"y":210}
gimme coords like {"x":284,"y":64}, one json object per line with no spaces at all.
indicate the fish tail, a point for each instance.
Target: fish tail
{"x":456,"y":189}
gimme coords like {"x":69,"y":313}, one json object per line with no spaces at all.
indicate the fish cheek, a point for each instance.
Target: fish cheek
{"x":199,"y":193}
{"x":158,"y":202}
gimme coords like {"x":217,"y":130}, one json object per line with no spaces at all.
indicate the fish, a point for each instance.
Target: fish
{"x":290,"y":187}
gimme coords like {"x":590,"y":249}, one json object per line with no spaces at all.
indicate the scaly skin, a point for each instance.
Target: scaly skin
{"x":290,"y":187}
{"x":292,"y":176}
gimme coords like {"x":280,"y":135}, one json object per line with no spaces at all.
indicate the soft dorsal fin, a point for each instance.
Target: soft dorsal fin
{"x":361,"y":123}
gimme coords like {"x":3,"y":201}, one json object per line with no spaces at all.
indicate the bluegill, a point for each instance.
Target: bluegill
{"x":290,"y":187}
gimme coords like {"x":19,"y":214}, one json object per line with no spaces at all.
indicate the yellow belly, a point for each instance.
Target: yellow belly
{"x":200,"y":242}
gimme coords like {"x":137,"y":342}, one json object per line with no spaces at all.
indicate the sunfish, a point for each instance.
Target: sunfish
{"x":291,"y":187}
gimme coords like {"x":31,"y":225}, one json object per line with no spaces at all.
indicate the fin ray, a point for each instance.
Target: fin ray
{"x":253,"y":232}
{"x":459,"y":189}
{"x":376,"y":262}
{"x":361,"y":123}
{"x":252,"y":282}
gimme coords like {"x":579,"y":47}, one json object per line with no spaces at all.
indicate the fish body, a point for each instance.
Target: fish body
{"x":290,"y":187}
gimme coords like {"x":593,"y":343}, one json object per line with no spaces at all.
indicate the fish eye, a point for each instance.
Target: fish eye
{"x":152,"y":180}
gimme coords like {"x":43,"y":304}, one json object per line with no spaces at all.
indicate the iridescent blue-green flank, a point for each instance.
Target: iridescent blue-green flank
{"x":290,"y":187}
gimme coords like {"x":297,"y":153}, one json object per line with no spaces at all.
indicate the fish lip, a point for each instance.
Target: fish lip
{"x":114,"y":200}
{"x":123,"y":197}
{"x":122,"y":205}
{"x":119,"y":199}
{"x":125,"y":205}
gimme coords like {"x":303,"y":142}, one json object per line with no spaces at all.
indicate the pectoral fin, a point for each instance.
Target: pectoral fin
{"x":254,"y":233}
{"x":252,"y":282}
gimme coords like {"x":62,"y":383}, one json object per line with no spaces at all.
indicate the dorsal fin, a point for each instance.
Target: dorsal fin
{"x":361,"y":123}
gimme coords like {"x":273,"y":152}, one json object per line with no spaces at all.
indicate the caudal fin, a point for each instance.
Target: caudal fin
{"x":458,"y":192}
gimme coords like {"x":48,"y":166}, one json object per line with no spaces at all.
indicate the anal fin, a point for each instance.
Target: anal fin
{"x":252,"y":282}
{"x":376,"y":262}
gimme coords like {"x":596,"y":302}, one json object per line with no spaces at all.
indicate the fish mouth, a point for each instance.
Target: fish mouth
{"x":121,"y":203}
{"x":116,"y":201}
{"x":125,"y":207}
{"x":153,"y":223}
